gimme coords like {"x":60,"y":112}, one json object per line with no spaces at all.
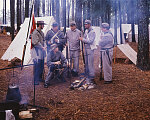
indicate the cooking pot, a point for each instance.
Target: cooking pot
{"x":13,"y":94}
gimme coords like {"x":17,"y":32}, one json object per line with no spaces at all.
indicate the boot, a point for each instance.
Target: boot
{"x":46,"y":85}
{"x":48,"y":78}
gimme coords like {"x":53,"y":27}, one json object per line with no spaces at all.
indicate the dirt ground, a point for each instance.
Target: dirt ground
{"x":127,"y":98}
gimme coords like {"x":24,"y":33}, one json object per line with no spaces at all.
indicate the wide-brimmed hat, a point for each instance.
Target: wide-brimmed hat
{"x":53,"y":46}
{"x":73,"y":23}
{"x":87,"y":22}
{"x":40,"y":23}
{"x":105,"y":25}
{"x":55,"y":24}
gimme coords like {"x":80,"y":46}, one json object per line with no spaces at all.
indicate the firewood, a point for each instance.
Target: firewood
{"x":25,"y":114}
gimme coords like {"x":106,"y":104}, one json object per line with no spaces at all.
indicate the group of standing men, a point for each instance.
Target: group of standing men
{"x":56,"y":41}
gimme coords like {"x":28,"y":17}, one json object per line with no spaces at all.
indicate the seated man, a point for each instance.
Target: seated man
{"x":55,"y":60}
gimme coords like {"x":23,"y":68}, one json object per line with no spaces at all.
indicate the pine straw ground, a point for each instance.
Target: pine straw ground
{"x":127,"y":98}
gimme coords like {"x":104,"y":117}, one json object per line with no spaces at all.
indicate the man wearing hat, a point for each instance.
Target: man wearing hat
{"x":38,"y":52}
{"x":106,"y":52}
{"x":89,"y":43}
{"x":55,"y":36}
{"x":55,"y":60}
{"x":72,"y":37}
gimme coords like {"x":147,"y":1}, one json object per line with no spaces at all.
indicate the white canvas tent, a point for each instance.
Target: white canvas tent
{"x":129,"y":52}
{"x":126,"y":28}
{"x":125,"y":48}
{"x":16,"y":47}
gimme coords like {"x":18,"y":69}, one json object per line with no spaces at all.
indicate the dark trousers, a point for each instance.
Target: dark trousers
{"x":48,"y":48}
{"x":38,"y":70}
{"x":52,"y":71}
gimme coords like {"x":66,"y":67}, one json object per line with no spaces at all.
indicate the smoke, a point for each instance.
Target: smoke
{"x":25,"y":99}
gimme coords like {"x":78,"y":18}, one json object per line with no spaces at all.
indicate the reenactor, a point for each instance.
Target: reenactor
{"x":55,"y":60}
{"x":38,"y":52}
{"x":55,"y":36}
{"x":89,"y":44}
{"x":106,"y":52}
{"x":73,"y":43}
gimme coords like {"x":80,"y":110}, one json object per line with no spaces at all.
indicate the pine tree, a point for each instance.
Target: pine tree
{"x":48,"y":7}
{"x":68,"y":12}
{"x":115,"y":23}
{"x":132,"y":21}
{"x":64,"y":15}
{"x":120,"y":18}
{"x":20,"y":12}
{"x":89,"y":10}
{"x":129,"y":11}
{"x":57,"y":12}
{"x":43,"y":7}
{"x":143,"y":35}
{"x":4,"y":11}
{"x":12,"y":17}
{"x":37,"y":8}
{"x":18,"y":15}
{"x":23,"y":13}
{"x":53,"y":8}
{"x":72,"y":10}
{"x":84,"y":11}
{"x":26,"y":8}
{"x":78,"y":14}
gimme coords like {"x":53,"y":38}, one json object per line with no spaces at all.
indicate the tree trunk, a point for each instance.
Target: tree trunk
{"x":132,"y":21}
{"x":88,"y":10}
{"x":12,"y":17}
{"x":20,"y":12}
{"x":37,"y":8}
{"x":78,"y":14}
{"x":53,"y":9}
{"x":103,"y":10}
{"x":121,"y":42}
{"x":18,"y":15}
{"x":115,"y":25}
{"x":68,"y":4}
{"x":57,"y":12}
{"x":64,"y":15}
{"x":136,"y":12}
{"x":43,"y":7}
{"x":26,"y":8}
{"x":124,"y":11}
{"x":5,"y":13}
{"x":23,"y":13}
{"x":50,"y":9}
{"x":129,"y":12}
{"x":143,"y":35}
{"x":72,"y":10}
{"x":93,"y":13}
{"x":97,"y":12}
{"x":84,"y":11}
{"x":108,"y":11}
